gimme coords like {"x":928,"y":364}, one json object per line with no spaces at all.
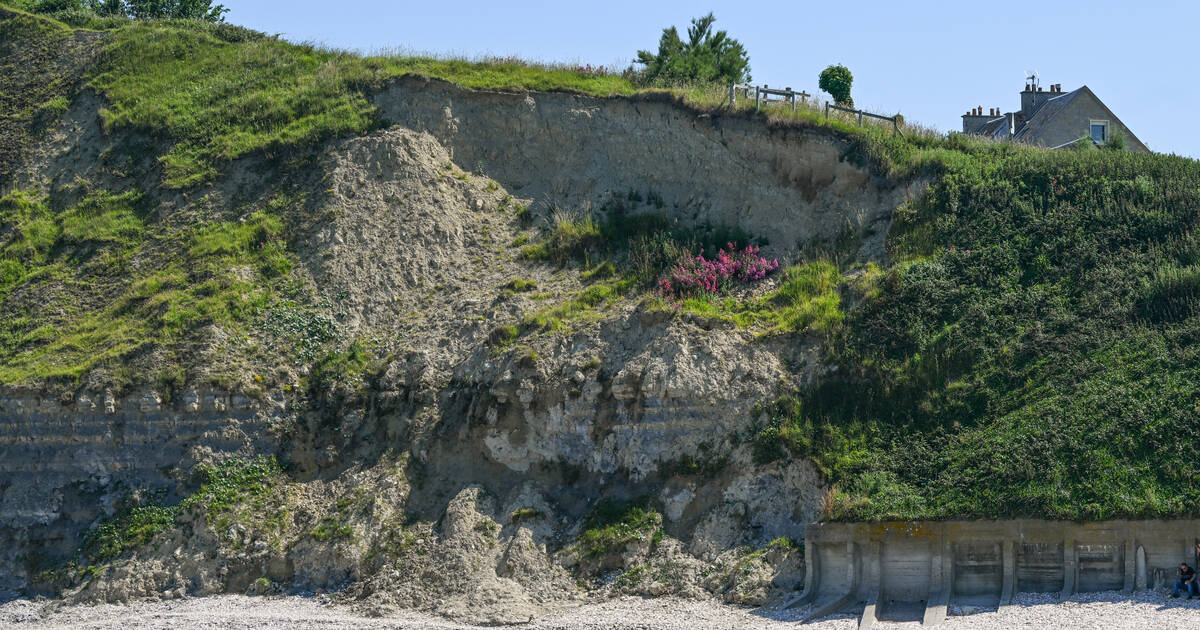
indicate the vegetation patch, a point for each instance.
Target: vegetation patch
{"x":806,"y":301}
{"x":234,"y":491}
{"x":304,"y":329}
{"x":196,"y":286}
{"x":580,"y":307}
{"x":612,"y":525}
{"x":1033,"y":352}
{"x":104,"y":217}
{"x":525,"y":514}
{"x":128,"y":530}
{"x":333,"y":528}
{"x":231,"y":483}
{"x":344,"y":367}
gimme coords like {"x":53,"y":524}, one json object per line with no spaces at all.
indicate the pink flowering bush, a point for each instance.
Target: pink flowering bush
{"x":697,"y":275}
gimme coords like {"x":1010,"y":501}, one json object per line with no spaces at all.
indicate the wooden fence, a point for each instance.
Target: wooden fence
{"x":763,"y":94}
{"x":895,"y":120}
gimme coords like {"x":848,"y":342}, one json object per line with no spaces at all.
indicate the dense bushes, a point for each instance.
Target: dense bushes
{"x":1032,"y":353}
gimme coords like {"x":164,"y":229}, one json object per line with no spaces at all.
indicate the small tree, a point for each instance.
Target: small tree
{"x":836,"y":80}
{"x":705,"y":57}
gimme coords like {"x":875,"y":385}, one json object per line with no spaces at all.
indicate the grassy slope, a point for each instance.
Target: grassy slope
{"x":39,"y":61}
{"x":1031,"y":353}
{"x":1034,"y":353}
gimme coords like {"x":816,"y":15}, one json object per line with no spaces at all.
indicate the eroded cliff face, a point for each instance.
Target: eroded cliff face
{"x":460,"y":476}
{"x":66,"y":462}
{"x":569,"y":151}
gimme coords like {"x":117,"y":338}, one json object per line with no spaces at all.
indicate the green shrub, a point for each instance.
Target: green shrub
{"x":346,"y":366}
{"x":127,"y":531}
{"x":520,"y":285}
{"x":524,"y":514}
{"x":612,"y":524}
{"x":504,"y":336}
{"x":307,"y":332}
{"x":225,"y":485}
{"x":1172,"y":294}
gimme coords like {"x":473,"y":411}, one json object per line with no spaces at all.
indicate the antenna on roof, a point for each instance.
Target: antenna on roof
{"x":1031,"y":77}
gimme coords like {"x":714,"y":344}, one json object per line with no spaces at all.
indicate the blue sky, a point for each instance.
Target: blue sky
{"x":930,"y":61}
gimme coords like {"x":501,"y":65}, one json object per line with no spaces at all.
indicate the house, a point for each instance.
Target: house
{"x":1053,"y":119}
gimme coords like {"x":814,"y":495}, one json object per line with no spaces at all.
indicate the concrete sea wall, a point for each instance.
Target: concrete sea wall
{"x":873,"y":565}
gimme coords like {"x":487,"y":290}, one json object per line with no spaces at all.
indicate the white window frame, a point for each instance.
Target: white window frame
{"x":1103,"y":123}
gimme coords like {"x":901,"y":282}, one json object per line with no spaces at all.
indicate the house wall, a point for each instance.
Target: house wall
{"x":1075,"y":120}
{"x":972,"y":124}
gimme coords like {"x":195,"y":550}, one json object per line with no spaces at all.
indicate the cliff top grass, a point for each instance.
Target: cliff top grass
{"x":216,"y":92}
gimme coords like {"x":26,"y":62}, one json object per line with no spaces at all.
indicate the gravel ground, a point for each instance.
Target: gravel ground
{"x":1144,"y":609}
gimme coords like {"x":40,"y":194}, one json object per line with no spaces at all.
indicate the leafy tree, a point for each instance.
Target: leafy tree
{"x":706,"y":56}
{"x":836,"y":80}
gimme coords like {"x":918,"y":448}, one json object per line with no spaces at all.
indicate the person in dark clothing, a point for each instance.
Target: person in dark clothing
{"x":1187,"y":579}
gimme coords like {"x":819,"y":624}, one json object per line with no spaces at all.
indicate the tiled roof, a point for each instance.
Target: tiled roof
{"x":995,"y":128}
{"x":1030,"y":131}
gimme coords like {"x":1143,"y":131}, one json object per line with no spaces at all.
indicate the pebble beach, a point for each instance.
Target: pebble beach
{"x":1148,"y":610}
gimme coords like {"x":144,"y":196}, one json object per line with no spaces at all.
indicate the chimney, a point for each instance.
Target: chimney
{"x":971,"y":119}
{"x":1033,"y":99}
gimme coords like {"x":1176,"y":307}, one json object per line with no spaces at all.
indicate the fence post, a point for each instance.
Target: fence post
{"x":757,"y":98}
{"x":860,"y":118}
{"x":732,"y":87}
{"x":792,"y":98}
{"x":827,"y":110}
